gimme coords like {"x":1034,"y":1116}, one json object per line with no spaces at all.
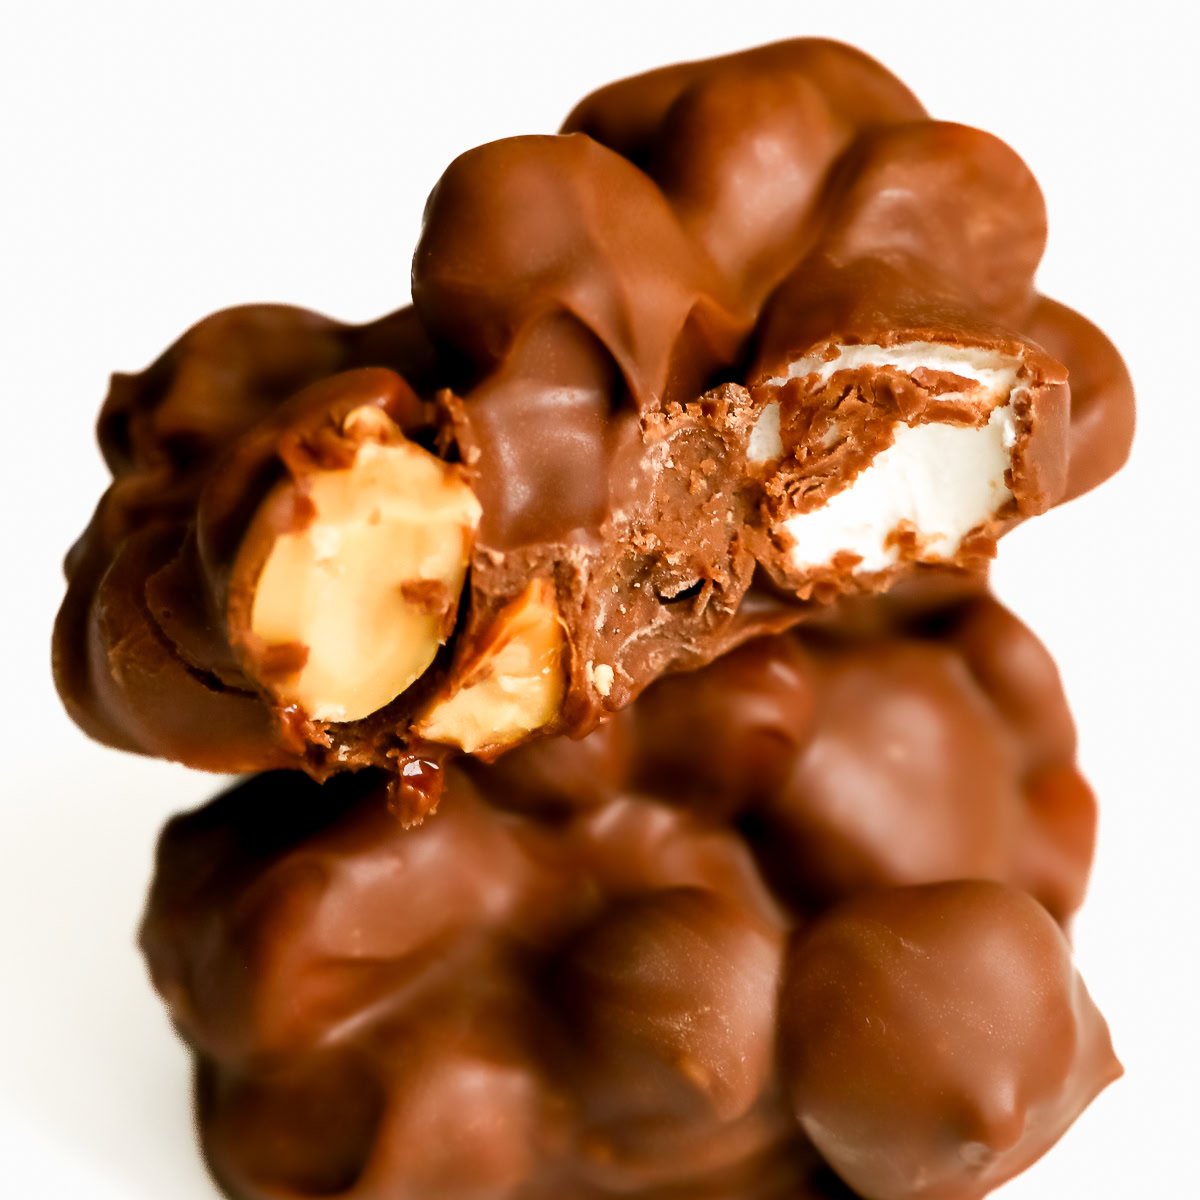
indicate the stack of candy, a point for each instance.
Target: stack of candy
{"x":649,"y":798}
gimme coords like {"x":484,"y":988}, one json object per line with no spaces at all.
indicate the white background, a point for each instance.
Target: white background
{"x":161,"y":160}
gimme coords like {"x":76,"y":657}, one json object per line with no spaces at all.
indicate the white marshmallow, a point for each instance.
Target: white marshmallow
{"x":765,"y":442}
{"x":942,"y":480}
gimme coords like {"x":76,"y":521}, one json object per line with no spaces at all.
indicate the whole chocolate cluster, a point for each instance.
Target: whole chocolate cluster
{"x":671,"y":813}
{"x":791,"y":910}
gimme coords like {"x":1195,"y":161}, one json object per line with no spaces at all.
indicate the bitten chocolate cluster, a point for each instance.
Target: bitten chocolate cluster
{"x":656,"y":803}
{"x":750,"y":335}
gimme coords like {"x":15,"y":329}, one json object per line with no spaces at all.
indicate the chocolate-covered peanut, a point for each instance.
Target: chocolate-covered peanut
{"x":938,"y":1039}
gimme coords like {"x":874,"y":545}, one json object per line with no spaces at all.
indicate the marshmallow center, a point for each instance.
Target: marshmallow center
{"x":765,"y":442}
{"x":940,"y":480}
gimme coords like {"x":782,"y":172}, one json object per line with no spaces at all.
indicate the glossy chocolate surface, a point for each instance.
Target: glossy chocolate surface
{"x":752,"y":877}
{"x":521,"y":1001}
{"x":912,"y":739}
{"x":489,"y":1005}
{"x":938,"y":1040}
{"x":597,"y":315}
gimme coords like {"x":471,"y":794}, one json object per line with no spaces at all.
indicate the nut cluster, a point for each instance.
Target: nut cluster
{"x":696,"y":950}
{"x":641,"y":565}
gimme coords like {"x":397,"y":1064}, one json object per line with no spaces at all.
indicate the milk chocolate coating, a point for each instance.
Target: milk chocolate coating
{"x":146,"y":656}
{"x":596,"y":462}
{"x":1102,"y":402}
{"x":588,"y":310}
{"x":941,"y":748}
{"x":488,"y":1005}
{"x":587,"y":1004}
{"x":898,"y":265}
{"x":142,"y":658}
{"x":938,"y":1039}
{"x":742,"y":144}
{"x":910,"y":740}
{"x":863,"y":204}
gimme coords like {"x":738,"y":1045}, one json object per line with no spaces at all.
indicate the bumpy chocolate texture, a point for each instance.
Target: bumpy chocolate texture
{"x":911,"y":739}
{"x":485,"y":1006}
{"x":566,"y":983}
{"x":937,"y":1040}
{"x":751,"y":333}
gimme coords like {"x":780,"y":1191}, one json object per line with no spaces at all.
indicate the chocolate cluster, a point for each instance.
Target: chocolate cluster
{"x":770,"y":931}
{"x":751,"y":334}
{"x":648,"y":799}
